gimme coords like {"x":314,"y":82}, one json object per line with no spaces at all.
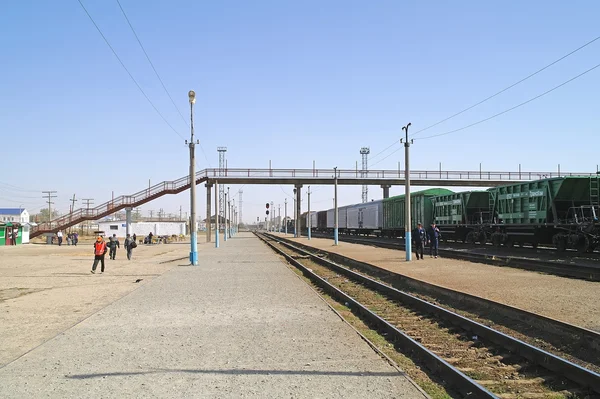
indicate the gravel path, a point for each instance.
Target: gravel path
{"x":239,"y":325}
{"x":570,"y":300}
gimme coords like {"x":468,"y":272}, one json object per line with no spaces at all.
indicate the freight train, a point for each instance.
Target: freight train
{"x":562,"y":212}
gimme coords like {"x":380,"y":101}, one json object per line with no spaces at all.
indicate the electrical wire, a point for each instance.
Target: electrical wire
{"x":515,"y":107}
{"x":158,"y":76}
{"x":509,"y":87}
{"x":490,"y":97}
{"x":127,"y":70}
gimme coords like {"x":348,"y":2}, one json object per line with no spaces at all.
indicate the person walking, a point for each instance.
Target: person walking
{"x":60,"y":237}
{"x":134,"y":238}
{"x":420,"y":236}
{"x":75,"y":239}
{"x":433,"y":238}
{"x":15,"y":235}
{"x":99,"y":252}
{"x":129,"y":245}
{"x":150,"y":238}
{"x":113,"y":244}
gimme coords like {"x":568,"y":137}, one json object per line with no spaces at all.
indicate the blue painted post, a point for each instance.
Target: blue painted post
{"x":216,"y":214}
{"x":335,"y":211}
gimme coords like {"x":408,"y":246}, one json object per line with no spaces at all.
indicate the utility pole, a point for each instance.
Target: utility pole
{"x":335,"y":209}
{"x":279,"y":218}
{"x":309,"y":218}
{"x":285,"y":217}
{"x":222,"y":171}
{"x":225,"y":216}
{"x":407,"y":222}
{"x":272,"y":216}
{"x":216,"y":214}
{"x":72,"y":209}
{"x":295,"y":220}
{"x":192,"y":144}
{"x":151,"y":213}
{"x":180,"y":212}
{"x":49,"y":195}
{"x":240,"y":220}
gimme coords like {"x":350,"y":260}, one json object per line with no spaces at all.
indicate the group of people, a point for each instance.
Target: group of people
{"x":101,"y":247}
{"x":430,"y":236}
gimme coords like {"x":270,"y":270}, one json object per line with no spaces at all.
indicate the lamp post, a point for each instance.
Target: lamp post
{"x":272,"y":217}
{"x":308,"y":221}
{"x":194,"y":238}
{"x":335,"y":211}
{"x":285,"y":217}
{"x":407,"y":221}
{"x":225,"y":217}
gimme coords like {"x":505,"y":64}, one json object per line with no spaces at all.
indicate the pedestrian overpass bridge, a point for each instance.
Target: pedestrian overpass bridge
{"x":297,"y":178}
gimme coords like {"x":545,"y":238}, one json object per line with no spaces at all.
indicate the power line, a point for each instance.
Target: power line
{"x":509,"y":87}
{"x":488,"y":98}
{"x":15,"y":188}
{"x":127,"y":70}
{"x":158,"y":76}
{"x":515,"y":107}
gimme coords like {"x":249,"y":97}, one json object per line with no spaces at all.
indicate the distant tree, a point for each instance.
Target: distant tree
{"x":42,"y":216}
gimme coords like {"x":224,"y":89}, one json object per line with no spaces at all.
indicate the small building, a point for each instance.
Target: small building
{"x":14,"y":220}
{"x":14,"y":215}
{"x":142,"y":229}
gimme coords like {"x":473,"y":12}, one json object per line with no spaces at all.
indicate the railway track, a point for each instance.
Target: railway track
{"x":477,"y":361}
{"x":571,"y":269}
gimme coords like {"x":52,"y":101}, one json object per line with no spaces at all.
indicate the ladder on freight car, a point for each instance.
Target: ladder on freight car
{"x":594,"y":200}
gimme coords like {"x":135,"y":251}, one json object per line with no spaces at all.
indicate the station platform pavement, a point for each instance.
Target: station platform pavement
{"x":241,"y":324}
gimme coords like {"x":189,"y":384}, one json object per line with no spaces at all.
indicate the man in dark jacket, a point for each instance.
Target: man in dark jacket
{"x":433,"y":238}
{"x":113,"y":244}
{"x":129,"y":246}
{"x":420,"y":237}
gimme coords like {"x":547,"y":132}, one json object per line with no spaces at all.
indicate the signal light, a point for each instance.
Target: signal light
{"x":267,"y":205}
{"x":267,"y":212}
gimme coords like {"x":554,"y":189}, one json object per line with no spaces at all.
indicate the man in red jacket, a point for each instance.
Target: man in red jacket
{"x":99,"y":252}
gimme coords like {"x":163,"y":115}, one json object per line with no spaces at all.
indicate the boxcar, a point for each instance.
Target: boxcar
{"x":322,"y":221}
{"x":394,"y":209}
{"x":365,"y":218}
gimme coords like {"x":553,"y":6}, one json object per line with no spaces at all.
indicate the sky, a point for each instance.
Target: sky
{"x":289,"y":82}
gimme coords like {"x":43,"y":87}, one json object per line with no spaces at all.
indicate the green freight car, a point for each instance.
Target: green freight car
{"x":465,"y":216}
{"x":560,"y":211}
{"x":394,"y":209}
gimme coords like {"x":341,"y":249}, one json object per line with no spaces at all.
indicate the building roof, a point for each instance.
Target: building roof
{"x":11,"y":211}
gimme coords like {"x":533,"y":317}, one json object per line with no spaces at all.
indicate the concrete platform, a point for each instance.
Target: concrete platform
{"x":239,"y":325}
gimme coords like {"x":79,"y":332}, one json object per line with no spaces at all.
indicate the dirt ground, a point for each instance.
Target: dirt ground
{"x":45,"y":289}
{"x":569,"y":300}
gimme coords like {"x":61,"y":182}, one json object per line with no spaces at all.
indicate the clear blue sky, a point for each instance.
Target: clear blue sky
{"x":287,"y":81}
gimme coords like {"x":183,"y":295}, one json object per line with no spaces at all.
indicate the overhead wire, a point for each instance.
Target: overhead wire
{"x":158,"y":76}
{"x":509,"y":87}
{"x":515,"y":107}
{"x":127,"y":70}
{"x":490,"y":97}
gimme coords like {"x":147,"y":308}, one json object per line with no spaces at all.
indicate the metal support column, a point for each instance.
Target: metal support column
{"x":408,"y":224}
{"x":298,"y":190}
{"x":225,"y":217}
{"x":335,"y":208}
{"x":386,"y":190}
{"x":308,"y":218}
{"x":208,"y":212}
{"x":285,"y":221}
{"x":216,"y":214}
{"x":128,"y":221}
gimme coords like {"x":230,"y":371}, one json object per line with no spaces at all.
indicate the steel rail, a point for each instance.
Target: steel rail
{"x":588,"y":338}
{"x":457,"y":379}
{"x":572,"y":371}
{"x":579,"y":271}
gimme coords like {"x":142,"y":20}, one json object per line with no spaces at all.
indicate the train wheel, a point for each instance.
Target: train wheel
{"x":471,"y":237}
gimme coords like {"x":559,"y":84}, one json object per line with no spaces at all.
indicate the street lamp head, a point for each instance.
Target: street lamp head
{"x":192,"y":96}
